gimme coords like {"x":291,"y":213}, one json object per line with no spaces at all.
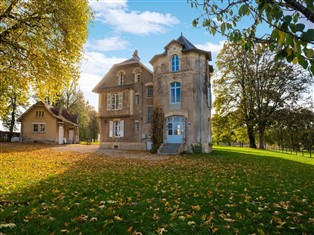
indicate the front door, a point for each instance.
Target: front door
{"x":71,"y":135}
{"x":61,"y":134}
{"x":175,"y":129}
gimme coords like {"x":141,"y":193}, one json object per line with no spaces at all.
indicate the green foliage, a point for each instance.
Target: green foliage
{"x":41,"y":45}
{"x":253,"y":86}
{"x":196,"y":148}
{"x":229,"y":191}
{"x":157,"y":128}
{"x":72,"y":99}
{"x":289,"y":36}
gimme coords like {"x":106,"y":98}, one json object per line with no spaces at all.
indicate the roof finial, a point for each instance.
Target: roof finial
{"x":181,"y":34}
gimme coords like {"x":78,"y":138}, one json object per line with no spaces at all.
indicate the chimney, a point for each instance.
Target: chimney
{"x":135,"y":55}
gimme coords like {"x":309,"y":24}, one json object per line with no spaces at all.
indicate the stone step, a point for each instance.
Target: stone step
{"x":170,"y":149}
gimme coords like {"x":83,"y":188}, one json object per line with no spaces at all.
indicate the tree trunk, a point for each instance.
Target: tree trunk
{"x":12,"y":121}
{"x":251,"y":135}
{"x":261,"y":129}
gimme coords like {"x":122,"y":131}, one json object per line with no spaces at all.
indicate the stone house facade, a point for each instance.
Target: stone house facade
{"x":126,"y":105}
{"x":180,"y":85}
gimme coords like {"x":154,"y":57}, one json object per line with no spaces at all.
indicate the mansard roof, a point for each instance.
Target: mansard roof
{"x":186,"y":47}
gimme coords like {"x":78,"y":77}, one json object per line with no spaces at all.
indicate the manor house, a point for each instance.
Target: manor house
{"x":179,"y":84}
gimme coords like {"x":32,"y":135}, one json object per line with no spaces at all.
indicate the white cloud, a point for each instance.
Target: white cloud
{"x":108,"y":44}
{"x":87,"y":82}
{"x":104,"y":5}
{"x":123,"y":20}
{"x":98,"y":63}
{"x":214,"y":48}
{"x":94,"y":66}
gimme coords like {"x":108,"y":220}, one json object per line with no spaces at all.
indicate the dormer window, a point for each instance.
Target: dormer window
{"x":121,"y":78}
{"x":174,"y":63}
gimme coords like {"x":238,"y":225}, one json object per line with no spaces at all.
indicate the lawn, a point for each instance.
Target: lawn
{"x":230,"y":191}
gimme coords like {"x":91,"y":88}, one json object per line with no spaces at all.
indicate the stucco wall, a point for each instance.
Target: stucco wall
{"x":50,"y":134}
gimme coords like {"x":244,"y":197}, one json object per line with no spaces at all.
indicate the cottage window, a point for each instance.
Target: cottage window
{"x":174,"y":63}
{"x":149,"y":114}
{"x":175,"y":93}
{"x":150,"y":91}
{"x":39,"y":128}
{"x":116,"y":128}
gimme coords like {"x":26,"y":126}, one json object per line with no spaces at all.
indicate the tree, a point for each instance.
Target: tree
{"x":290,"y":24}
{"x":256,"y":85}
{"x":41,"y":44}
{"x":72,"y":99}
{"x":293,"y":128}
{"x":157,"y":128}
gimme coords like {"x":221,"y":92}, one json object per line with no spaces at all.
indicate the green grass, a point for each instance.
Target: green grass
{"x":230,"y":191}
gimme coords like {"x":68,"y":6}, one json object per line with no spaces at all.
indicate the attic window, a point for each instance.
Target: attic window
{"x":40,"y":113}
{"x":137,"y":76}
{"x":121,"y":78}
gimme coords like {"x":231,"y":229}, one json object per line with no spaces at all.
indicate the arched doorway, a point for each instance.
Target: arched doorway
{"x":175,"y":129}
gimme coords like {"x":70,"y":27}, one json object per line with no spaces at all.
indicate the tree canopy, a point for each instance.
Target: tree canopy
{"x":41,"y":45}
{"x":290,"y":24}
{"x":256,"y":86}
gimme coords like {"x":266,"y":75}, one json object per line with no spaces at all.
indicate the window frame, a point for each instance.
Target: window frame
{"x":149,"y":91}
{"x":175,"y":63}
{"x":149,"y":114}
{"x":41,"y":128}
{"x":121,"y":79}
{"x":137,"y":99}
{"x":174,"y":90}
{"x":40,"y":113}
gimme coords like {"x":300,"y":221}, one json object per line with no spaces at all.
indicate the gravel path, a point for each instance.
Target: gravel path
{"x":109,"y":152}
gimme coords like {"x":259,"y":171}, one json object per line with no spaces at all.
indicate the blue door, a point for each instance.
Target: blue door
{"x":175,"y":129}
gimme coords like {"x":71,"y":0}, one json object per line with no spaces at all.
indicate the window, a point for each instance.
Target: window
{"x":174,"y":63}
{"x":150,"y":91}
{"x":149,"y":114}
{"x":116,"y":128}
{"x":136,"y":126}
{"x":137,"y":99}
{"x":121,"y":78}
{"x":114,"y":101}
{"x":137,"y":77}
{"x":40,"y":113}
{"x":175,"y":92}
{"x":39,"y":128}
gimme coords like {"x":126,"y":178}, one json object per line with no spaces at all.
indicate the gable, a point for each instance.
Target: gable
{"x":127,"y":68}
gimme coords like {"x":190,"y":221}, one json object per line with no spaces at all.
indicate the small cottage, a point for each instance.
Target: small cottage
{"x":44,"y":123}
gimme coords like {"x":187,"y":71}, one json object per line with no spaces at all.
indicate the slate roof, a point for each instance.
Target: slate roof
{"x":186,"y":46}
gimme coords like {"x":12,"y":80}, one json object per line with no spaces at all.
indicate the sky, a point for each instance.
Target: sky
{"x":120,"y":27}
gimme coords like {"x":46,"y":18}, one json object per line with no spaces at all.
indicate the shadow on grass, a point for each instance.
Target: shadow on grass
{"x":225,"y":194}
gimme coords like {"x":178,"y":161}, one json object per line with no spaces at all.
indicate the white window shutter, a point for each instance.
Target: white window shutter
{"x":122,"y":128}
{"x":110,"y":128}
{"x":120,"y":100}
{"x":108,"y":101}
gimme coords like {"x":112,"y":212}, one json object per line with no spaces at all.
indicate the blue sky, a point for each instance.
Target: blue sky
{"x":122,"y":26}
